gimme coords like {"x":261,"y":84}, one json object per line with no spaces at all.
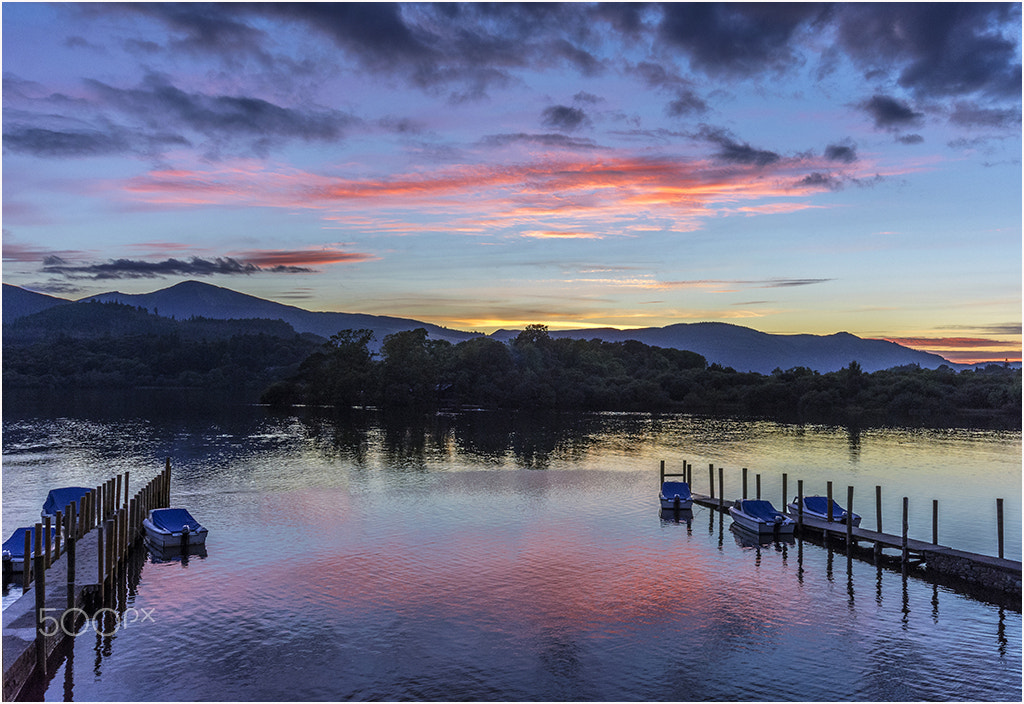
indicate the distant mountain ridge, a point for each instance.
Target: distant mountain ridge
{"x":741,"y":348}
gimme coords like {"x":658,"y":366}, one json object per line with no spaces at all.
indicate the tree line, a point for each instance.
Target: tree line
{"x":536,"y":371}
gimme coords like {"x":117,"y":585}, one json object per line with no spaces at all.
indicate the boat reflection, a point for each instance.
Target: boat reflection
{"x":749,"y":539}
{"x":682,"y":515}
{"x":175,"y":553}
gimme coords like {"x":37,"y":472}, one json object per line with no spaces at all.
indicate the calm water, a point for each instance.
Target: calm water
{"x":485,"y":557}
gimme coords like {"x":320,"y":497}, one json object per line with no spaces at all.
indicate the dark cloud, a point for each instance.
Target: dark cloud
{"x":846,"y":153}
{"x":910,"y":139}
{"x":740,"y":38}
{"x":820,"y":180}
{"x":733,"y":151}
{"x":138,"y":269}
{"x":52,"y":143}
{"x":564,"y":118}
{"x":937,"y":49}
{"x":889,"y":113}
{"x":686,"y":103}
{"x":971,"y":115}
{"x":547,"y":140}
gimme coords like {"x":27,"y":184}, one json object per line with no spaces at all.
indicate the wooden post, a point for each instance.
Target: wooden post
{"x":101,"y":558}
{"x":711,"y":479}
{"x":117,"y":501}
{"x":999,"y":525}
{"x":721,"y":489}
{"x":689,"y":473}
{"x":40,"y":589}
{"x":71,"y":541}
{"x":878,"y":507}
{"x":167,"y":483}
{"x":47,"y":527}
{"x":744,"y":483}
{"x":58,"y":524}
{"x":906,"y":513}
{"x":784,"y":478}
{"x":662,"y":473}
{"x":800,"y":503}
{"x":935,"y":521}
{"x":126,"y":488}
{"x":849,"y":518}
{"x":26,"y":567}
{"x":757,"y":484}
{"x":830,"y":502}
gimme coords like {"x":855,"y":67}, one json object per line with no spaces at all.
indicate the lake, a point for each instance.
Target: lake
{"x":485,"y":556}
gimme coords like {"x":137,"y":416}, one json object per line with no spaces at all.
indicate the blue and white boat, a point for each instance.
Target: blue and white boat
{"x":761,"y":517}
{"x":14,"y":547}
{"x":817,"y":507}
{"x":58,"y":500}
{"x":173,"y":527}
{"x":675,"y":495}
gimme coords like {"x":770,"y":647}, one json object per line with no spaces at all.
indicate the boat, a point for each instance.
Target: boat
{"x":58,"y":500}
{"x":168,"y":527}
{"x":675,"y":495}
{"x":14,"y":547}
{"x":761,"y":517}
{"x":817,"y":507}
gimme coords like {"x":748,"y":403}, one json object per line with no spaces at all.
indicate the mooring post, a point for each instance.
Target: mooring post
{"x":167,"y":494}
{"x":849,"y":519}
{"x":757,"y":484}
{"x":999,"y":525}
{"x":829,"y":502}
{"x":878,"y":507}
{"x":906,"y":513}
{"x":47,"y":527}
{"x":721,"y":489}
{"x":662,"y":481}
{"x":800,"y":503}
{"x":40,"y":588}
{"x":72,"y":521}
{"x":744,"y":483}
{"x":783,"y":507}
{"x":935,"y":521}
{"x":126,"y":494}
{"x":711,"y":479}
{"x":100,"y":557}
{"x":26,"y":565}
{"x":58,"y":525}
{"x":117,"y":501}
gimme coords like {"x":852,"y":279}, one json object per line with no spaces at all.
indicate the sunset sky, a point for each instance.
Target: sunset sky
{"x":790,"y":168}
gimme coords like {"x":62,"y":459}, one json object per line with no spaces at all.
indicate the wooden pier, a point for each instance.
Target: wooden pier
{"x":82,"y":570}
{"x":987,"y":573}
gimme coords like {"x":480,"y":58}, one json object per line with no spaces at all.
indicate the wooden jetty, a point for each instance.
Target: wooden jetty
{"x":985,"y":572}
{"x":84,"y":569}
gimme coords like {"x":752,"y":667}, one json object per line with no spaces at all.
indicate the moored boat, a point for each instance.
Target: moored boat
{"x":817,"y":507}
{"x":58,"y":500}
{"x":14,"y":547}
{"x":761,"y":517}
{"x":675,"y":495}
{"x":173,"y":527}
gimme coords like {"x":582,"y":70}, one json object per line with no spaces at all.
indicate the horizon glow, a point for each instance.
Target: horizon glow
{"x":793,"y":169}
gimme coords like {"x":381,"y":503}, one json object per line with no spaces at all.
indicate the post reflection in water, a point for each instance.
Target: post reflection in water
{"x":433,"y":561}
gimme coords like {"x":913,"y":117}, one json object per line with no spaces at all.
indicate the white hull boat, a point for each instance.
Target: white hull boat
{"x":761,"y":517}
{"x":173,"y":527}
{"x":14,"y":547}
{"x":817,"y":507}
{"x":675,"y":496}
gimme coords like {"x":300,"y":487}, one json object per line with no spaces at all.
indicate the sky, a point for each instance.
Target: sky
{"x":805,"y":168}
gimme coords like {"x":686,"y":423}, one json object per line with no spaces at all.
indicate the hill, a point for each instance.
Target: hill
{"x":19,"y":302}
{"x":191,"y":298}
{"x":741,"y":348}
{"x":748,"y":350}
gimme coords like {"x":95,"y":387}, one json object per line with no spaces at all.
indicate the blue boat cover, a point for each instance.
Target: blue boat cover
{"x":670,"y":489}
{"x":761,"y":510}
{"x":819,"y":504}
{"x":16,"y":543}
{"x":174,"y":520}
{"x":58,"y":499}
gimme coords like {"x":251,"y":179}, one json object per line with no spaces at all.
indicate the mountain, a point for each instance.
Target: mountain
{"x":745,"y":349}
{"x":19,"y":302}
{"x":729,"y":345}
{"x":195,"y":298}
